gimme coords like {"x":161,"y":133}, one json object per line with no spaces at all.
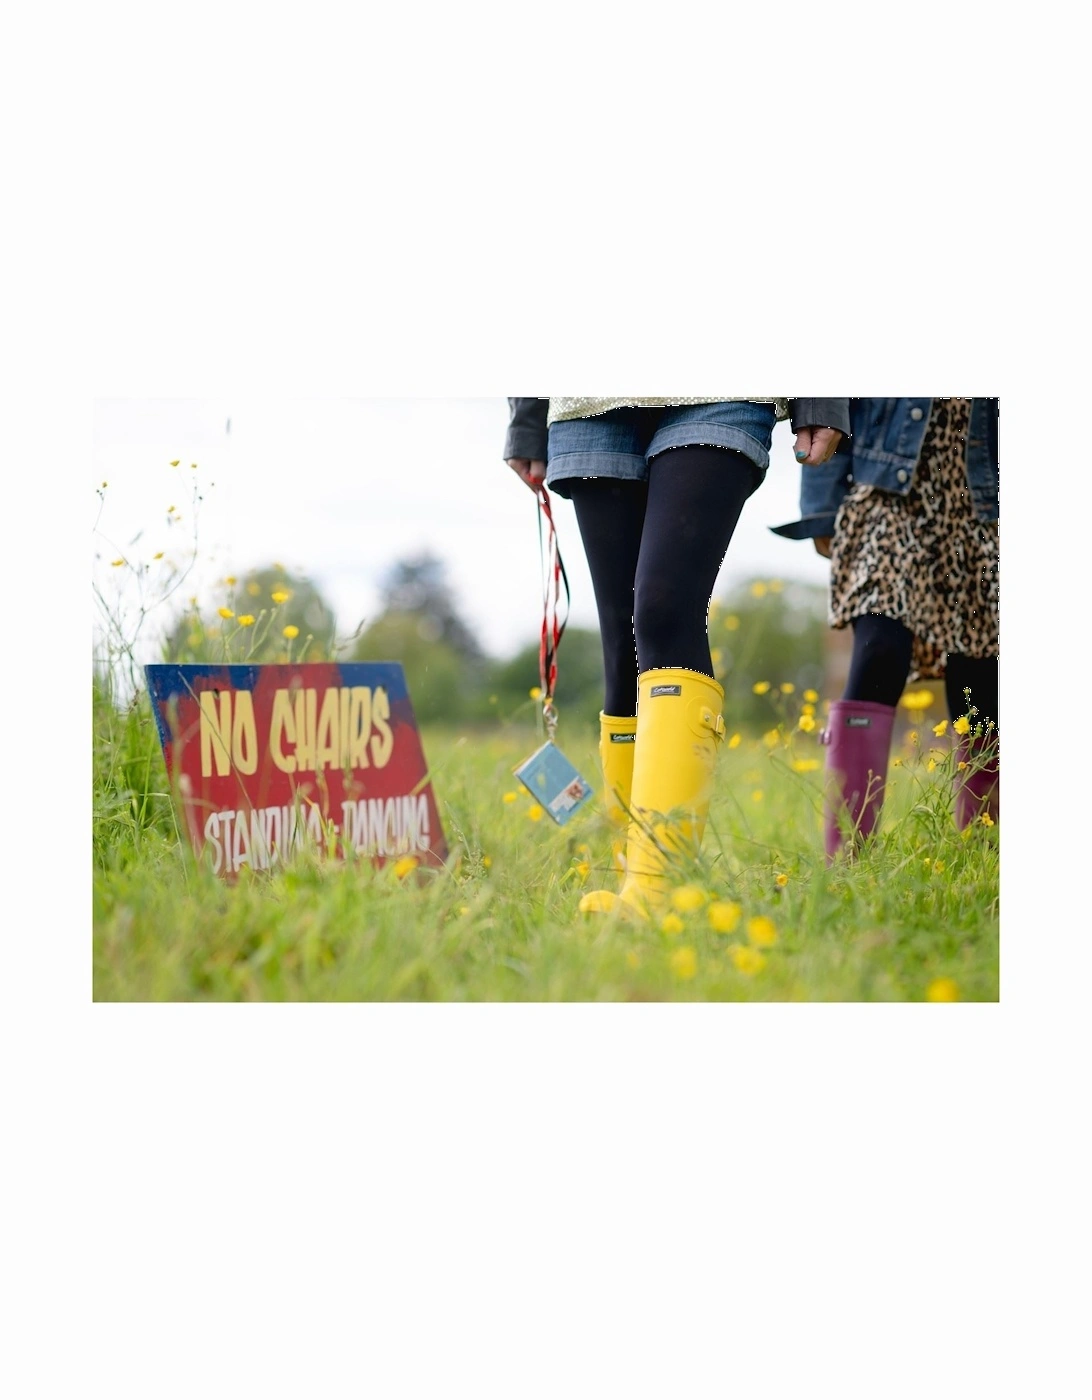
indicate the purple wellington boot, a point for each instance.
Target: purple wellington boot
{"x":858,"y":740}
{"x":977,"y":788}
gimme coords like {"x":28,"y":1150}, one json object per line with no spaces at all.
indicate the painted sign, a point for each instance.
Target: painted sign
{"x":269,"y":760}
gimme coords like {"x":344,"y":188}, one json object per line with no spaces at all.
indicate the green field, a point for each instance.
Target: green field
{"x":759,"y":919}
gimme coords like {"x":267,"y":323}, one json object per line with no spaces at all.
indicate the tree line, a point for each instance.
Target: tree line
{"x":761,"y":631}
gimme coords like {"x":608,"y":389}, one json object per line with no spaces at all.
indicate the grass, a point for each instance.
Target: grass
{"x":915,"y":918}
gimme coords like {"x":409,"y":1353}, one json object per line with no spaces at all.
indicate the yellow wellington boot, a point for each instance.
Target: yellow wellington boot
{"x":616,"y":746}
{"x":679,"y":726}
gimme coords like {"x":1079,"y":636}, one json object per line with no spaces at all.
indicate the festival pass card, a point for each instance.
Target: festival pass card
{"x":554,"y":783}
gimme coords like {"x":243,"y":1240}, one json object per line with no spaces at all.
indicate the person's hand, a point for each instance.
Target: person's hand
{"x":532,"y":471}
{"x":814,"y":446}
{"x":822,"y":546}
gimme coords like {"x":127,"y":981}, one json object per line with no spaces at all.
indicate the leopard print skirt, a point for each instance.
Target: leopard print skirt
{"x":923,"y":558}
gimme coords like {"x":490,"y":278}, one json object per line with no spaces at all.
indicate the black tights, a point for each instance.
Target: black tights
{"x":882,"y":648}
{"x":654,"y":551}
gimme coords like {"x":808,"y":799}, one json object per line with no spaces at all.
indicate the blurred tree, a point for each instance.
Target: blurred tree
{"x":276,"y":600}
{"x":767,"y":633}
{"x":419,"y":625}
{"x":579,"y":679}
{"x":418,"y":587}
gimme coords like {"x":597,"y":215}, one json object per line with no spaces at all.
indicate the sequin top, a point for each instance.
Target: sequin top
{"x":588,"y":408}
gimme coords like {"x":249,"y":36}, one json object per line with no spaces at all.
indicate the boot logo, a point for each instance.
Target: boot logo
{"x":623,"y":738}
{"x":665,"y":690}
{"x":858,"y":722}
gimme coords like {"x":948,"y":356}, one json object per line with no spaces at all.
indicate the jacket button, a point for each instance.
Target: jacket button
{"x":900,"y":475}
{"x":916,"y":414}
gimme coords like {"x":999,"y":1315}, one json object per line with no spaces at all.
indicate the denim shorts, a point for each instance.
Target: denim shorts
{"x":621,"y":443}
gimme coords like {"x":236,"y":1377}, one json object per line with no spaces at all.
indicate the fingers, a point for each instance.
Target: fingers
{"x":530,"y":471}
{"x":822,"y":546}
{"x":814,"y":446}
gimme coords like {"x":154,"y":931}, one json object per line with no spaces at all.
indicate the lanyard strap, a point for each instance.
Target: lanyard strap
{"x":554,"y":578}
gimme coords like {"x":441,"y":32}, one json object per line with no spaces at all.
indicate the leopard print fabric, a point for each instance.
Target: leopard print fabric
{"x":923,"y":558}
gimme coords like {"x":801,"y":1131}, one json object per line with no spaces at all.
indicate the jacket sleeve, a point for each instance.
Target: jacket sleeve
{"x":819,"y":413}
{"x":526,"y":435}
{"x":822,"y":490}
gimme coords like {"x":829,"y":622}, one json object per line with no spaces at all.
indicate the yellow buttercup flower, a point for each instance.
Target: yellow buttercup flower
{"x":116,"y":563}
{"x":404,"y":866}
{"x":786,"y":687}
{"x":781,"y":881}
{"x":687,"y":898}
{"x":487,"y":861}
{"x":723,"y":915}
{"x":896,"y":763}
{"x":807,"y":708}
{"x":760,"y":687}
{"x":938,"y":867}
{"x":942,"y":989}
{"x":510,"y":797}
{"x":762,"y":931}
{"x":535,"y":693}
{"x":581,"y":867}
{"x":758,"y":589}
{"x":756,"y":796}
{"x":291,"y":631}
{"x":731,"y":623}
{"x":280,"y":595}
{"x":536,"y":813}
{"x":962,"y":725}
{"x":734,"y":741}
{"x":960,"y":766}
{"x":246,"y":619}
{"x":987,"y":820}
{"x":931,"y":765}
{"x":805,"y":765}
{"x":748,"y":960}
{"x":230,"y":580}
{"x":176,"y":462}
{"x":671,"y":924}
{"x":253,"y":589}
{"x":917,"y":699}
{"x":684,"y":963}
{"x":771,"y":738}
{"x":940,"y":729}
{"x":225,"y":612}
{"x":716,"y":656}
{"x":158,"y":556}
{"x":811,"y":696}
{"x":807,"y":723}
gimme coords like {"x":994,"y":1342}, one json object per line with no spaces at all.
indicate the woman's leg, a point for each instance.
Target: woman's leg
{"x":859,"y":728}
{"x":977,"y":789}
{"x":695,"y":496}
{"x":979,"y":676}
{"x":882,"y":651}
{"x":611,"y":517}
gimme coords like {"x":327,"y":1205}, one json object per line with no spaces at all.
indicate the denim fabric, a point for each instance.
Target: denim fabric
{"x":883,"y":451}
{"x":621,"y":443}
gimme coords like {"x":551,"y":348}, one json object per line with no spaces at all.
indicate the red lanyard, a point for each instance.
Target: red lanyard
{"x":553,"y":625}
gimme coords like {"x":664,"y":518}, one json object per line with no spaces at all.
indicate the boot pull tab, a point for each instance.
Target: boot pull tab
{"x":705,"y":721}
{"x":824,"y":735}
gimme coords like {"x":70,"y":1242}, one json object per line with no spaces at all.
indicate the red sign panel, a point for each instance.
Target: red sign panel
{"x":268,"y":760}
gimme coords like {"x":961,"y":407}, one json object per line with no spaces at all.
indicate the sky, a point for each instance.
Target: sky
{"x":339,"y":489}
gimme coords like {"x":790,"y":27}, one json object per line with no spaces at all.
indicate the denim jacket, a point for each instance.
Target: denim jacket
{"x":527,"y":425}
{"x":883,"y":451}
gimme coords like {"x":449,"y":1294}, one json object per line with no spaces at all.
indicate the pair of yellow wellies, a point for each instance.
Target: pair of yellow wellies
{"x":658,"y":772}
